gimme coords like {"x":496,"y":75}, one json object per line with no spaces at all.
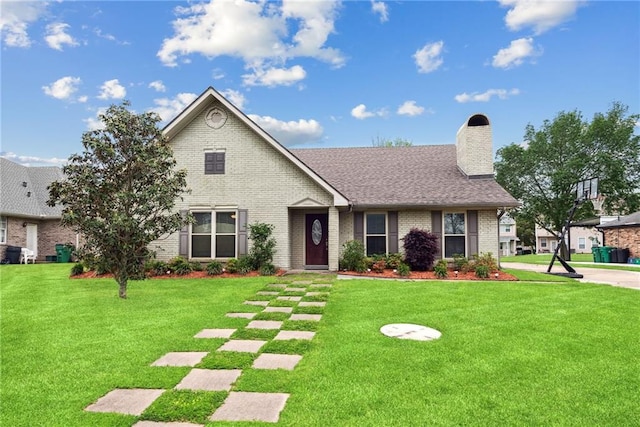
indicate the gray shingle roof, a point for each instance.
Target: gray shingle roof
{"x":632,"y":220}
{"x":13,"y":195}
{"x":417,"y":176}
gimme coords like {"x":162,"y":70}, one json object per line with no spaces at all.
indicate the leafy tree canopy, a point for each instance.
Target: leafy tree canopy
{"x":118,"y":193}
{"x":543,"y":171}
{"x":385,"y":142}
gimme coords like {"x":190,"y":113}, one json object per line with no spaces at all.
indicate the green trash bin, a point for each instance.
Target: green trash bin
{"x":606,"y":253}
{"x":597,"y":254}
{"x":63,"y":253}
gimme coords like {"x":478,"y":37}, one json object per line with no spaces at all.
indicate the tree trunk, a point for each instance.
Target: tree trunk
{"x":122,"y":293}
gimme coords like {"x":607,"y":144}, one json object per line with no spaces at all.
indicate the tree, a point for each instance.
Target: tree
{"x":542,"y":173}
{"x":384,"y":142}
{"x":118,"y":194}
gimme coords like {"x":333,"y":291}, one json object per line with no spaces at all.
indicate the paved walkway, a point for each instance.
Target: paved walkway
{"x":300,"y":301}
{"x":619,"y":278}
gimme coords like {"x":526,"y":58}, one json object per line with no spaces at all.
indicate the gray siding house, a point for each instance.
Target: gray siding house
{"x":318,"y":199}
{"x":25,"y":218}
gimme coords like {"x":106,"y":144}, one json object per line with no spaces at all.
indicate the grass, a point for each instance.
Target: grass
{"x":512,"y":353}
{"x":545,"y":259}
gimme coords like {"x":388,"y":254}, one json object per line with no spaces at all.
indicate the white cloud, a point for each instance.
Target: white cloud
{"x":515,"y":54}
{"x":275,"y":76}
{"x":167,"y":108}
{"x":63,"y":88}
{"x":112,"y":89}
{"x":94,"y":123}
{"x":410,"y":108}
{"x":486,"y":96}
{"x":541,"y":15}
{"x":57,"y":36}
{"x":256,"y":32}
{"x":380,"y":8}
{"x":15,"y":18}
{"x":235,"y":97}
{"x":98,"y":32}
{"x":158,"y":86}
{"x":32,"y":160}
{"x":428,"y":58}
{"x":83,"y":98}
{"x":360,"y":112}
{"x":291,"y":132}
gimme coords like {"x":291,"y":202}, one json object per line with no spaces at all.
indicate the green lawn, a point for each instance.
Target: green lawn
{"x":545,"y":259}
{"x":511,"y":353}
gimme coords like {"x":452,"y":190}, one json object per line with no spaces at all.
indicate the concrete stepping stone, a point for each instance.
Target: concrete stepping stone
{"x":312,"y":304}
{"x":243,"y":346}
{"x":322,"y":285}
{"x":261,"y":303}
{"x":302,"y":282}
{"x":181,"y":358}
{"x":295,"y":289}
{"x":294,"y":335}
{"x":267,"y":293}
{"x":276,"y":361}
{"x":315,"y":294}
{"x":244,"y":406}
{"x":289,"y":298}
{"x":165,"y":424}
{"x":215,"y":333}
{"x":313,"y":317}
{"x":278,"y":309}
{"x":277,"y":285}
{"x":264,"y":324}
{"x":126,"y":401}
{"x":242,"y":315}
{"x":209,"y":379}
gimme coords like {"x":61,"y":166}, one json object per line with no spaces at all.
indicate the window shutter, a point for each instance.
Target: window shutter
{"x":436,"y":229}
{"x":183,"y":242}
{"x":392,"y":219}
{"x":472,"y":232}
{"x":243,"y":241}
{"x":358,"y":226}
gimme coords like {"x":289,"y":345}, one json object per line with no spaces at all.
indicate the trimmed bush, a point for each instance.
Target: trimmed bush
{"x":441,"y":269}
{"x":420,"y":249}
{"x":232,"y":265}
{"x":214,"y":268}
{"x":482,"y":271}
{"x":403,"y":269}
{"x":268,"y":270}
{"x":77,"y":269}
{"x":393,"y":260}
{"x":353,"y":258}
{"x":245,"y":265}
{"x":180,"y":266}
{"x":263,"y":247}
{"x":379,"y":266}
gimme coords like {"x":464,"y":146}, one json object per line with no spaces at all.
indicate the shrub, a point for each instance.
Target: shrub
{"x":485,"y":260}
{"x":420,"y":248}
{"x":393,"y":260}
{"x":263,"y":247}
{"x":379,"y":266}
{"x":180,"y":266}
{"x":441,"y":269}
{"x":214,"y":268}
{"x":77,"y":269}
{"x":156,"y":267}
{"x":268,"y":270}
{"x":196,"y":266}
{"x":460,"y":262}
{"x":232,"y":265}
{"x":353,"y":258}
{"x":403,"y":269}
{"x":245,"y":265}
{"x":482,"y":271}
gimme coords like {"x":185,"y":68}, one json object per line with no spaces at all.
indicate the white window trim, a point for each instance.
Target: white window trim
{"x":4,"y":224}
{"x":386,"y":230}
{"x":445,"y":235}
{"x":582,"y":242}
{"x":214,"y":233}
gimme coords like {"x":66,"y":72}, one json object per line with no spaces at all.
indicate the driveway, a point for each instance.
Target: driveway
{"x":620,"y":278}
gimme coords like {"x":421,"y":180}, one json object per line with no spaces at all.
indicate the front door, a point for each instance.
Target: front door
{"x":32,"y":238}
{"x":317,"y":240}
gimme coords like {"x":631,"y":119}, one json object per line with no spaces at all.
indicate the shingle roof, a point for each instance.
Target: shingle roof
{"x":417,"y":176}
{"x":632,"y":220}
{"x":14,"y":200}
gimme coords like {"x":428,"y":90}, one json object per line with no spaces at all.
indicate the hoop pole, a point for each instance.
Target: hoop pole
{"x":555,"y":256}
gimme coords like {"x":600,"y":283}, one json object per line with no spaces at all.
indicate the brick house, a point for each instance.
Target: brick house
{"x":318,"y":199}
{"x":25,"y":218}
{"x":623,"y":233}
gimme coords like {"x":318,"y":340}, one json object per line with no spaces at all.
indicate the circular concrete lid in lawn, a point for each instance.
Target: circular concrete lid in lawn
{"x":408,"y":331}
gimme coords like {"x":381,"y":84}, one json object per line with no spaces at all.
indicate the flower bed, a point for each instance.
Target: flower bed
{"x":430,"y":275}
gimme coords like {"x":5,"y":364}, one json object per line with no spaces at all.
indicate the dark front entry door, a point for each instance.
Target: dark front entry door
{"x":316,"y":240}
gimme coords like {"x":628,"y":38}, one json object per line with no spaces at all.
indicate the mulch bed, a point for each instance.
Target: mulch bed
{"x":192,"y":275}
{"x":430,"y":275}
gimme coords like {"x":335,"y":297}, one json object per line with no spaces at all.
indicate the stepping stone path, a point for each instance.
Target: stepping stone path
{"x":238,"y":406}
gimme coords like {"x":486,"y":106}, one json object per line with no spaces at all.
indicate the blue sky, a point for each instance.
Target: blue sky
{"x":314,"y":74}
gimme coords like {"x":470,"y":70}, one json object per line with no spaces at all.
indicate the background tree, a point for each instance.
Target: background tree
{"x":385,"y":142}
{"x":542,"y":173}
{"x":119,"y":192}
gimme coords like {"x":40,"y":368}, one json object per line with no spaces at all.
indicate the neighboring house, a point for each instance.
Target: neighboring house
{"x":25,"y":218}
{"x":508,"y":238}
{"x":623,"y":233}
{"x":318,"y":199}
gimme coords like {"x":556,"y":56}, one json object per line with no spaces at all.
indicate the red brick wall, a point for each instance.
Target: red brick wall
{"x":50,"y":232}
{"x":625,"y":237}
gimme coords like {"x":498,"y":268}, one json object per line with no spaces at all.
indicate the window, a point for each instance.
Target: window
{"x":376,"y":233}
{"x":214,"y":163}
{"x":543,"y":242}
{"x":507,"y":229}
{"x":213,"y":235}
{"x":454,"y":234}
{"x":3,"y":229}
{"x":582,"y":242}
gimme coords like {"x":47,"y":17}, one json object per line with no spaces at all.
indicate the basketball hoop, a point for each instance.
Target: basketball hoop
{"x":587,"y":189}
{"x":597,"y":203}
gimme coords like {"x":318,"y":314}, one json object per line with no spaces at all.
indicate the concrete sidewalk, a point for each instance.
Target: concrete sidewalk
{"x":620,"y":278}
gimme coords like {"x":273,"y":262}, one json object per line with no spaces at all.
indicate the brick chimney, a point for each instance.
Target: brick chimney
{"x":474,"y":147}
